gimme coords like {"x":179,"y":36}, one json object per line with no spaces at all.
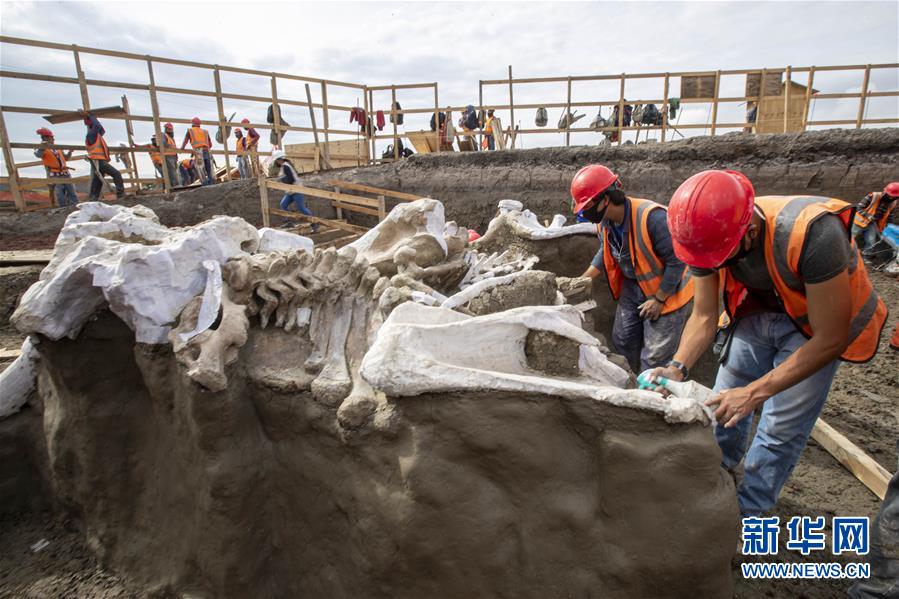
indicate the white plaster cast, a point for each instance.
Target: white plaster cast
{"x":422,"y":218}
{"x":510,"y":206}
{"x":146,"y":273}
{"x":274,"y":240}
{"x":17,"y":381}
{"x":434,"y":350}
{"x":212,"y":301}
{"x":476,"y":289}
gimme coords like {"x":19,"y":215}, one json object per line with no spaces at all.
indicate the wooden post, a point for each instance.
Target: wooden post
{"x":86,"y":104}
{"x":382,"y":208}
{"x":129,"y":130}
{"x":511,"y":103}
{"x":222,"y":123}
{"x":318,"y":148}
{"x":337,"y":208}
{"x":715,"y":102}
{"x":276,"y":111}
{"x":787,"y":83}
{"x":758,"y":102}
{"x":862,"y":98}
{"x":263,"y":200}
{"x":368,"y":100}
{"x":437,"y":117}
{"x":808,"y":97}
{"x":568,"y":111}
{"x":480,"y":109}
{"x":154,"y":106}
{"x":621,"y":111}
{"x":665,"y":107}
{"x":396,"y":150}
{"x":11,"y":169}
{"x":326,"y":121}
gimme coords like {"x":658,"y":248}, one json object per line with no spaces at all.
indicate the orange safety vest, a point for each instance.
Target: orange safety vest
{"x":98,"y":150}
{"x":488,"y":126}
{"x":864,"y":216}
{"x":186,"y":163}
{"x":241,"y":146}
{"x":199,"y":138}
{"x":647,"y":265}
{"x":169,"y":148}
{"x":252,"y":142}
{"x":154,"y":156}
{"x":787,"y":219}
{"x":55,"y":161}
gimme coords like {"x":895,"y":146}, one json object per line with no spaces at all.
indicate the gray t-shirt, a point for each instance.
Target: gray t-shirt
{"x":825,"y":255}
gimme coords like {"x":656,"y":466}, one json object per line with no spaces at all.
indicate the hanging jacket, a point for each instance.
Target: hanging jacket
{"x":788,"y":218}
{"x":648,"y":267}
{"x":868,"y":209}
{"x":357,"y":115}
{"x":379,"y":119}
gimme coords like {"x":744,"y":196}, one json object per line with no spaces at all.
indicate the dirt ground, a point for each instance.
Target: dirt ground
{"x":863,"y":405}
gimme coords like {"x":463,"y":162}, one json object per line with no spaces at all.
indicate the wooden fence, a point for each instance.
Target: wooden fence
{"x":703,"y":87}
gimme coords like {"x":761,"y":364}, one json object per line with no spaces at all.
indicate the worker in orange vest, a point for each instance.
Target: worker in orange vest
{"x":651,"y":285}
{"x":797,"y":300}
{"x":98,"y":154}
{"x":201,"y":142}
{"x":873,"y":214}
{"x":489,"y":142}
{"x":170,"y":154}
{"x":188,"y":170}
{"x":240,"y":148}
{"x":55,"y":162}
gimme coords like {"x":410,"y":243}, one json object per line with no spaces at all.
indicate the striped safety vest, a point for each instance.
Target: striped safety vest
{"x":647,"y":265}
{"x":240,"y":147}
{"x":199,"y":138}
{"x":787,"y":219}
{"x":864,"y":216}
{"x":98,"y":149}
{"x":55,"y":161}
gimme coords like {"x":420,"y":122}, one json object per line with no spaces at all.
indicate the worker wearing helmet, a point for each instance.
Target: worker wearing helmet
{"x":54,"y":161}
{"x":288,"y":174}
{"x":240,"y":149}
{"x":252,"y":143}
{"x":188,"y":170}
{"x":98,"y":155}
{"x":650,"y":283}
{"x":797,"y":299}
{"x":201,"y":142}
{"x":873,"y":215}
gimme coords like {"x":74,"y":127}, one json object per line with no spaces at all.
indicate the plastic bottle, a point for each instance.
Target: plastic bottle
{"x":690,"y":389}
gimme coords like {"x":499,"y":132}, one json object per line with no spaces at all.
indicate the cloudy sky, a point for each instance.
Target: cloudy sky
{"x":454,"y":43}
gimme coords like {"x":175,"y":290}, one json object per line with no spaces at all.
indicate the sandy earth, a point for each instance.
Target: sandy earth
{"x":863,"y":405}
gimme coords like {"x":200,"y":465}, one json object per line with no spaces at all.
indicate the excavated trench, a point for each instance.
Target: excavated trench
{"x":270,"y":488}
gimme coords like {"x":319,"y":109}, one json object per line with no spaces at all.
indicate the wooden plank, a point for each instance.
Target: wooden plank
{"x":326,"y":120}
{"x":223,"y":127}
{"x":319,"y":155}
{"x":665,"y":109}
{"x":715,"y":102}
{"x":808,"y":96}
{"x":11,"y":167}
{"x":321,"y":193}
{"x":335,"y":224}
{"x":371,"y":189}
{"x":78,"y":115}
{"x":862,"y":100}
{"x":512,"y":103}
{"x":861,"y":465}
{"x":20,"y":257}
{"x":263,"y":200}
{"x":7,"y":354}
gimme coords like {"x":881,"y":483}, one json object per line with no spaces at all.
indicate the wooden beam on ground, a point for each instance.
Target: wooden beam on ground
{"x":7,"y":354}
{"x":22,"y":257}
{"x":321,"y":193}
{"x":334,"y":224}
{"x":77,"y":115}
{"x":376,"y":190}
{"x":861,"y":465}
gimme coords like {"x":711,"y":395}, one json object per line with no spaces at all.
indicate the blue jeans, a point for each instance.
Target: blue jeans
{"x":300,"y":201}
{"x":865,"y":238}
{"x":760,"y":343}
{"x":243,"y":167}
{"x":65,"y":194}
{"x":645,"y":343}
{"x":491,"y":143}
{"x":207,"y":165}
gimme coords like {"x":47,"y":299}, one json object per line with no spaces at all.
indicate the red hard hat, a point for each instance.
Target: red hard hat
{"x":708,"y":215}
{"x":473,"y":235}
{"x":892,"y":189}
{"x":195,"y":121}
{"x":245,"y":122}
{"x":44,"y":132}
{"x":168,"y":126}
{"x":588,"y":183}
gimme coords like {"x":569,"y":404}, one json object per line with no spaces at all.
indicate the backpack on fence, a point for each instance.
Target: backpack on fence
{"x":470,"y":120}
{"x":598,"y":122}
{"x":542,"y":117}
{"x":651,"y":115}
{"x":569,"y":118}
{"x":399,"y":116}
{"x":401,"y":151}
{"x":442,"y":120}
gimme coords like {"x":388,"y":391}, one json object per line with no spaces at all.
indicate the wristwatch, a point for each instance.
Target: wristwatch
{"x":685,"y":372}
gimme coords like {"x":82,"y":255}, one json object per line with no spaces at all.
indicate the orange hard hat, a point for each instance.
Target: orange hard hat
{"x":168,"y":126}
{"x":245,"y":122}
{"x":588,"y":183}
{"x":44,"y":132}
{"x":195,"y":121}
{"x":473,"y":235}
{"x":892,"y":189}
{"x":708,"y":215}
